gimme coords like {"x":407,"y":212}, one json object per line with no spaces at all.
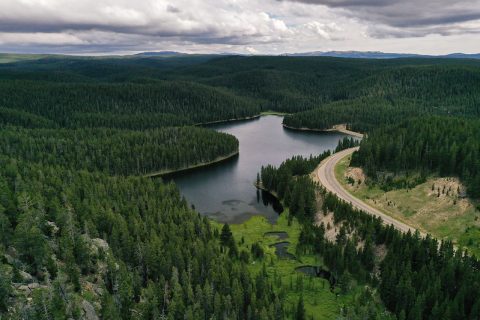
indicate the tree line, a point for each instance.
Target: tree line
{"x":291,"y":183}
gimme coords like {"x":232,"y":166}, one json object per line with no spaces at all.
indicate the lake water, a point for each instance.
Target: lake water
{"x":225,"y":191}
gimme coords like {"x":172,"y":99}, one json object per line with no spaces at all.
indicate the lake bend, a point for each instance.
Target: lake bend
{"x":225,"y":191}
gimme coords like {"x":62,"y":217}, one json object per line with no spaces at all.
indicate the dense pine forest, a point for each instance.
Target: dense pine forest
{"x":393,"y":95}
{"x":131,"y":244}
{"x":117,"y":152}
{"x":83,"y":92}
{"x":83,"y":231}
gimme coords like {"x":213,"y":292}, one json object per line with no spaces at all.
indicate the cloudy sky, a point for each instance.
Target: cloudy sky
{"x":242,"y":26}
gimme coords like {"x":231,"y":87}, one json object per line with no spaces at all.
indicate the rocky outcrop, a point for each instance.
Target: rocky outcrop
{"x":89,"y":312}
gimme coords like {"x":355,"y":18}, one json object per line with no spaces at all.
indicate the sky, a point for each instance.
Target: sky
{"x":96,"y":27}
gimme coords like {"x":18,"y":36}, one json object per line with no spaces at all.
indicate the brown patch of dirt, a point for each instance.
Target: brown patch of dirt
{"x":342,"y":126}
{"x":360,"y":245}
{"x":356,"y":174}
{"x":448,"y":191}
{"x":447,"y":187}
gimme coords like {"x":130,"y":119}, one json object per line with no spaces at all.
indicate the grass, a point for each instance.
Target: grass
{"x":320,"y":302}
{"x":446,"y":216}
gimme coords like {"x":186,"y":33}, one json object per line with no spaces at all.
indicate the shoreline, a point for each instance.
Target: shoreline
{"x":227,"y":120}
{"x":260,"y":186}
{"x":261,"y":114}
{"x":344,"y":131}
{"x":195,"y":166}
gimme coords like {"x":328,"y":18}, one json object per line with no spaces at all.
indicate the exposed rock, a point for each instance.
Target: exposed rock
{"x":53,"y":227}
{"x":89,"y":311}
{"x":12,"y":255}
{"x":24,"y":289}
{"x":9,"y":259}
{"x":33,"y":286}
{"x":99,"y":244}
{"x":98,"y":291}
{"x":26,"y":277}
{"x":327,"y":220}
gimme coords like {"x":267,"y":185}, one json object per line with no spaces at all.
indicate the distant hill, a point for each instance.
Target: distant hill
{"x":12,"y":57}
{"x":462,"y":56}
{"x":379,"y":55}
{"x":160,"y":54}
{"x":168,"y":54}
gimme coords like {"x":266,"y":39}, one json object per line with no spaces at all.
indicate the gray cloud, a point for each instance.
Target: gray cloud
{"x":216,"y":21}
{"x":408,"y":18}
{"x":267,"y":26}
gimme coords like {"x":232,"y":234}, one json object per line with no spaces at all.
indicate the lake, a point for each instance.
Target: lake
{"x":225,"y":191}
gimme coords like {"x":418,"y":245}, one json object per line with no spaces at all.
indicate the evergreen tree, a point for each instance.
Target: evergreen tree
{"x":300,"y":310}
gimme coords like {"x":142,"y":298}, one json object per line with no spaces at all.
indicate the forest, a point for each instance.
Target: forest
{"x":131,"y":244}
{"x":117,"y":152}
{"x":82,"y":92}
{"x":396,"y":94}
{"x":82,"y":228}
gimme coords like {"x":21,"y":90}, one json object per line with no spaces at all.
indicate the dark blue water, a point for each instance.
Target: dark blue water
{"x":225,"y":191}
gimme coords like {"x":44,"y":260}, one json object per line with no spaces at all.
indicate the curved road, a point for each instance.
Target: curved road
{"x":326,"y":176}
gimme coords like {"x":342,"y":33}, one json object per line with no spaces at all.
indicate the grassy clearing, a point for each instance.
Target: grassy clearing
{"x":320,"y":302}
{"x":433,"y":207}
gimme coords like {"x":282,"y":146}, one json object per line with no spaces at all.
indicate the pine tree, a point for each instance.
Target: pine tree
{"x":300,"y":310}
{"x":226,"y":236}
{"x":5,"y":286}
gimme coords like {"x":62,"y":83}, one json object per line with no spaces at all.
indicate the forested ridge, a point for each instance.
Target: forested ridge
{"x":65,"y":103}
{"x":117,"y":152}
{"x":79,"y":92}
{"x":390,"y":96}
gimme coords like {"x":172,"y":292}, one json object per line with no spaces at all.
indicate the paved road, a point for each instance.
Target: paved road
{"x":326,"y":176}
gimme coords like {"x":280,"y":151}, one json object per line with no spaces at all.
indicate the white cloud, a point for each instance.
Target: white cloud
{"x":324,"y":30}
{"x":268,"y":26}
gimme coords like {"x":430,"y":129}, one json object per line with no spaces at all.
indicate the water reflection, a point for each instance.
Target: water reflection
{"x":226,"y":191}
